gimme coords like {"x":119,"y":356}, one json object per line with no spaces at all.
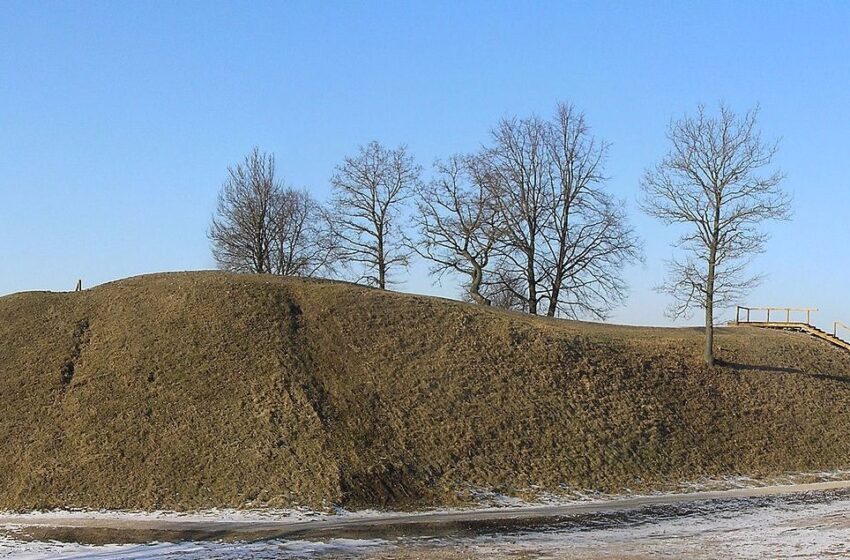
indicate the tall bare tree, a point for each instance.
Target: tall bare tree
{"x":369,"y":191}
{"x":713,"y":182}
{"x":455,"y":219}
{"x":242,"y":230}
{"x":519,"y":166}
{"x":262,"y":226}
{"x":564,"y":238}
{"x":586,"y":234}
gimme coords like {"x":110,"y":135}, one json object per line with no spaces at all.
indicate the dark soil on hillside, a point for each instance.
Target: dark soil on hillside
{"x":197,"y":390}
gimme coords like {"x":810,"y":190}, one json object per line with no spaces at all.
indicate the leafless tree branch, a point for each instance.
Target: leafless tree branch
{"x":712,"y":182}
{"x":369,"y":191}
{"x":261,"y":226}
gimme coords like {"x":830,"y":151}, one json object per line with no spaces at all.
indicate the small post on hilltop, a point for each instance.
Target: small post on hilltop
{"x":79,"y":287}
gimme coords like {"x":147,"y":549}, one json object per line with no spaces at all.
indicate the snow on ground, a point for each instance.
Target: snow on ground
{"x":484,"y":499}
{"x":740,"y":530}
{"x":800,"y":527}
{"x":296,"y":549}
{"x":812,"y":525}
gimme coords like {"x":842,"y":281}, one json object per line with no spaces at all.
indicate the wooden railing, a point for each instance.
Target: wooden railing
{"x":783,"y":318}
{"x":780,"y":314}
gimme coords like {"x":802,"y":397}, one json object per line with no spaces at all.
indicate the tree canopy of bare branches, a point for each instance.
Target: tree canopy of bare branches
{"x":519,"y":165}
{"x":587,"y":235}
{"x":262,"y":226}
{"x":455,"y":219}
{"x":369,"y":192}
{"x":713,"y":183}
{"x":563,"y":237}
{"x":301,"y":245}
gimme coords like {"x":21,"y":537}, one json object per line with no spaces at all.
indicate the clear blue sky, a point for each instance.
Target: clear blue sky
{"x":119,"y":119}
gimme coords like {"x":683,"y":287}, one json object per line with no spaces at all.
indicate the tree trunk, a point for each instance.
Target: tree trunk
{"x":532,"y":291}
{"x":382,"y":265}
{"x":709,"y":332}
{"x":556,"y":292}
{"x":709,"y":308}
{"x":553,"y":303}
{"x":531,"y":277}
{"x":556,"y":287}
{"x":709,"y":288}
{"x":475,"y":285}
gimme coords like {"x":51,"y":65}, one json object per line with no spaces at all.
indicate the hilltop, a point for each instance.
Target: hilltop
{"x":194,"y":390}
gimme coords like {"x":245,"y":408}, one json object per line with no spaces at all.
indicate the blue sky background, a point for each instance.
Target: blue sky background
{"x":118,"y":119}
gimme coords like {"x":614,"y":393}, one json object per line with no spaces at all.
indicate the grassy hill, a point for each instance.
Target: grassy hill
{"x":209,"y":389}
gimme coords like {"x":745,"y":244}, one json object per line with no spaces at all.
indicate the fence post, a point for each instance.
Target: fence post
{"x":768,"y":314}
{"x":79,"y":287}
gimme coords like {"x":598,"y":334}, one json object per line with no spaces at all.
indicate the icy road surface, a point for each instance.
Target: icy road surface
{"x":813,"y":524}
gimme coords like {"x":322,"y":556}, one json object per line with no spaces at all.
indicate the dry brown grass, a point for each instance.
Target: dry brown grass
{"x":208,"y":389}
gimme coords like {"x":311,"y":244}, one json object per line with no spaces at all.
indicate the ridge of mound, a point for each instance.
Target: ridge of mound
{"x":195,"y":390}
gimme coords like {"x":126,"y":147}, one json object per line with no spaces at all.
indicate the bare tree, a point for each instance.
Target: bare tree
{"x":564,"y":238}
{"x":586,"y":234}
{"x":369,"y":190}
{"x":301,"y":245}
{"x":520,"y":169}
{"x":711,"y":182}
{"x":456,"y":223}
{"x":242,"y":230}
{"x":262,"y":226}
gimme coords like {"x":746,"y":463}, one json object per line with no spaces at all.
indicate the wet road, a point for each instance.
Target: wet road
{"x":814,"y":523}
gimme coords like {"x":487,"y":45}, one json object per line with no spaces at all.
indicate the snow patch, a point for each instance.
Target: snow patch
{"x":25,"y":550}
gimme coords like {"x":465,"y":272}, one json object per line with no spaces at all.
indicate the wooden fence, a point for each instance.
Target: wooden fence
{"x":780,"y":314}
{"x":791,"y":318}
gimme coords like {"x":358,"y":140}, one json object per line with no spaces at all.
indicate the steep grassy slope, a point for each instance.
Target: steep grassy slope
{"x":208,"y":389}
